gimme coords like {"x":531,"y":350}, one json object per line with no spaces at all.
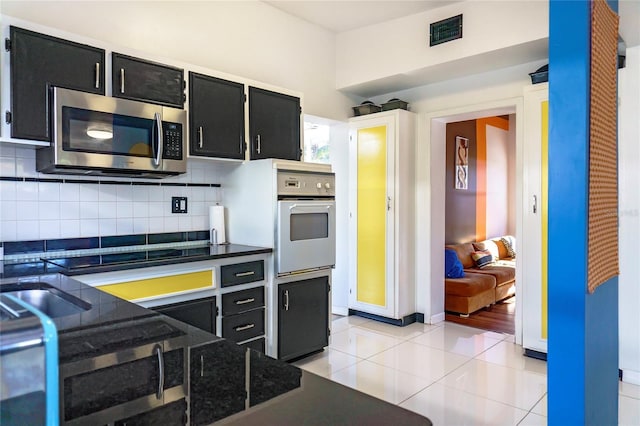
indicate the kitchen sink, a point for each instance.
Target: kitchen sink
{"x":49,"y":300}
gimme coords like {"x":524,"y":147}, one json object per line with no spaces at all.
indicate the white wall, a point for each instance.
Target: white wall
{"x":629,"y":215}
{"x":397,"y":52}
{"x":245,"y":38}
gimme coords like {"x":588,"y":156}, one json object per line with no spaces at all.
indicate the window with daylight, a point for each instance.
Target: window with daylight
{"x":316,"y":143}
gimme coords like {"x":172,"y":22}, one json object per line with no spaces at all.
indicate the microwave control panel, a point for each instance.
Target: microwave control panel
{"x":172,"y":141}
{"x":306,"y":184}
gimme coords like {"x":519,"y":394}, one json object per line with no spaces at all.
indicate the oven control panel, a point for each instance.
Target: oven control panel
{"x":306,"y":184}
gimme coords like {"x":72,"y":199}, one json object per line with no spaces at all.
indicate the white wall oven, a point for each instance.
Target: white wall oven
{"x":306,"y":222}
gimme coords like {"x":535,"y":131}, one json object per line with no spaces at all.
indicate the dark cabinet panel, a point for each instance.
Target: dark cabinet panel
{"x":174,"y":413}
{"x":146,"y":81}
{"x":274,"y":125}
{"x":199,"y":313}
{"x":217,"y":380}
{"x":241,"y":273}
{"x":269,"y":378}
{"x":303,"y":317}
{"x":257,"y":345}
{"x":216,"y":117}
{"x":39,"y":61}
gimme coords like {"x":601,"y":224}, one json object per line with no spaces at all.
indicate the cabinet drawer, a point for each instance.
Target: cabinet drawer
{"x":243,"y":326}
{"x":174,"y":413}
{"x":241,"y":273}
{"x":242,"y":301}
{"x":256,"y":345}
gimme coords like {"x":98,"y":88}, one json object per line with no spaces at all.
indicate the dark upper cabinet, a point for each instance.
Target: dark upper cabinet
{"x":39,"y":61}
{"x":303,"y":317}
{"x":274,"y":125}
{"x":146,"y":81}
{"x":216,"y":117}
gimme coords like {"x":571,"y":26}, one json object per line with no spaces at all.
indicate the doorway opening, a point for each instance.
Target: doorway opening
{"x":431,"y":202}
{"x":480,"y":222}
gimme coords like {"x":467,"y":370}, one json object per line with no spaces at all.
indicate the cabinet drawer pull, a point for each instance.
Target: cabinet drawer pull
{"x":242,"y":302}
{"x":121,"y":80}
{"x":244,"y":327}
{"x":259,"y":145}
{"x":201,"y":365}
{"x":158,"y":351}
{"x":200,"y":137}
{"x":245,"y":274}
{"x":286,"y":300}
{"x":97,"y":75}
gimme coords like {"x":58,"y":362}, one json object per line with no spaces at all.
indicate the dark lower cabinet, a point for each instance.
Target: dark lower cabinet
{"x":274,"y":125}
{"x":303,"y":317}
{"x":174,"y":413}
{"x":216,"y":117}
{"x":38,"y":62}
{"x":199,"y":313}
{"x":217,"y":381}
{"x":146,"y":81}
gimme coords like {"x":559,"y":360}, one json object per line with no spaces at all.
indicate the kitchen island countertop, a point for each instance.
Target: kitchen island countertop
{"x":276,"y":393}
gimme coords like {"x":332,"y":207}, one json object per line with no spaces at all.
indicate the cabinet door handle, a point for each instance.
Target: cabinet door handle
{"x":201,"y":365}
{"x":286,"y":300}
{"x":121,"y":80}
{"x":200,"y":137}
{"x":97,"y":75}
{"x":245,"y":274}
{"x":535,"y":204}
{"x":259,"y":148}
{"x":242,"y":302}
{"x":245,"y":327}
{"x":158,"y":350}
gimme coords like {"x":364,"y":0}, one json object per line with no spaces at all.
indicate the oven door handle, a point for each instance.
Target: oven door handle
{"x":310,"y":208}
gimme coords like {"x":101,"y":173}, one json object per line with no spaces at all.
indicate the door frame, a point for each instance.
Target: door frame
{"x":430,"y":201}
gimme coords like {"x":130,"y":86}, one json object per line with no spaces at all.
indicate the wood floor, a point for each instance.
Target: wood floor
{"x":499,"y":317}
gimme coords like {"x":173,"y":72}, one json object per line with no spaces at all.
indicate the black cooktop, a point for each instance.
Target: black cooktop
{"x":75,"y":263}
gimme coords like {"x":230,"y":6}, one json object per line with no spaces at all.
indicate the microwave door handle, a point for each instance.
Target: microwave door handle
{"x":158,"y":151}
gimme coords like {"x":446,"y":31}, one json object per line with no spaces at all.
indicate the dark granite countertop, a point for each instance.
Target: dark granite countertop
{"x":118,"y":261}
{"x":243,"y":386}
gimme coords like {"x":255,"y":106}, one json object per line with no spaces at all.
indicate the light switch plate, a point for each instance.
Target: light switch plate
{"x":178,"y":204}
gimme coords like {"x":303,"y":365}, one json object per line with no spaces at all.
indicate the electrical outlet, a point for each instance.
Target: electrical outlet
{"x":178,"y":204}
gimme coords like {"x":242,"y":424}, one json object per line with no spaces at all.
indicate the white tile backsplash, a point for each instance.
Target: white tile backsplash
{"x":38,"y":210}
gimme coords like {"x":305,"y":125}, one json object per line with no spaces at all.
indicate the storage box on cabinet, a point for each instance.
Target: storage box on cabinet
{"x":146,"y":81}
{"x":241,"y":273}
{"x":40,"y":61}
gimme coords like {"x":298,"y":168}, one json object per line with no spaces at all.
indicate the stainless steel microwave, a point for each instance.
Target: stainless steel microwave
{"x":101,"y":135}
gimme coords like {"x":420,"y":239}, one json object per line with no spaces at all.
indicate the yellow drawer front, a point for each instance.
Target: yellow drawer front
{"x":150,"y":287}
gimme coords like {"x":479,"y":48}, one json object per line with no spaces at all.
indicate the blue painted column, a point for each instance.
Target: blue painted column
{"x":583,"y":327}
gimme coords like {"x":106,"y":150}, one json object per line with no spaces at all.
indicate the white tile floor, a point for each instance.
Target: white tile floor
{"x":453,"y":374}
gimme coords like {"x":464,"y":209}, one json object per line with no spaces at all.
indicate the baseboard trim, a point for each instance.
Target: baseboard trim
{"x":437,"y":318}
{"x":409,"y":319}
{"x":630,"y":376}
{"x":340,"y":310}
{"x":535,"y":354}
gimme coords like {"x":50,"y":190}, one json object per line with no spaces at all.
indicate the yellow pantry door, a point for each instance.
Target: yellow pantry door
{"x":373,"y":159}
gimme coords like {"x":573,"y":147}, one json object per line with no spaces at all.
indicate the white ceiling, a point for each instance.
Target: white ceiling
{"x":339,"y":16}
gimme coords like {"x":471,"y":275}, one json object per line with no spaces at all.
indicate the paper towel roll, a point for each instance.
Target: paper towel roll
{"x":216,"y":225}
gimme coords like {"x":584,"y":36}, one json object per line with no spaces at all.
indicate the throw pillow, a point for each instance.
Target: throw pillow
{"x":488,"y":245}
{"x":510,"y":250}
{"x":452,"y":266}
{"x":482,"y":258}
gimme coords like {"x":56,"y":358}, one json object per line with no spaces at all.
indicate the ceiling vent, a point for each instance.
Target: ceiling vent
{"x":445,"y":30}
